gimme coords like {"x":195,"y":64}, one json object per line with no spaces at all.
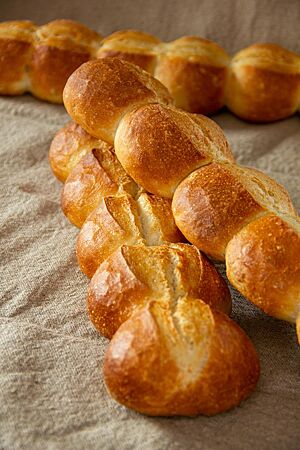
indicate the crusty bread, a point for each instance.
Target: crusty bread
{"x":68,"y":147}
{"x":123,"y":93}
{"x":97,"y":175}
{"x":209,"y":216}
{"x":260,"y":83}
{"x":264,"y":83}
{"x":141,"y":129}
{"x":263,"y":263}
{"x":133,"y":46}
{"x":168,"y":151}
{"x":172,"y":358}
{"x":150,"y":273}
{"x":195,"y":72}
{"x":134,"y":275}
{"x":123,"y":220}
{"x":15,"y":55}
{"x":40,"y":59}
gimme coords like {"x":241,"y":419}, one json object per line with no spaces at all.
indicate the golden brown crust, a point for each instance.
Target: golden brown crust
{"x":68,"y":147}
{"x":132,"y":46}
{"x":100,"y":92}
{"x":123,"y":220}
{"x":263,"y":263}
{"x":16,"y":52}
{"x":155,"y":140}
{"x":59,"y":48}
{"x":264,"y":83}
{"x":40,"y":59}
{"x":97,"y":175}
{"x":209,"y":216}
{"x":182,"y":360}
{"x":134,"y":275}
{"x":195,"y":72}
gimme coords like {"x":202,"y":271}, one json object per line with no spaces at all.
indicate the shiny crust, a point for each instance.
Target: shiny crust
{"x":132,"y":46}
{"x":148,"y":163}
{"x":124,"y":220}
{"x":259,"y":84}
{"x":16,"y":52}
{"x":68,"y":147}
{"x":195,"y":72}
{"x":263,"y":263}
{"x":97,"y":175}
{"x":40,"y":59}
{"x":209,"y":216}
{"x":108,"y":89}
{"x":180,"y":359}
{"x":264,"y":83}
{"x":168,"y":151}
{"x":134,"y":275}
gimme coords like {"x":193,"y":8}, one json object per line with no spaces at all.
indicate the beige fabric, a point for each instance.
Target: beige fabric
{"x":52,"y":394}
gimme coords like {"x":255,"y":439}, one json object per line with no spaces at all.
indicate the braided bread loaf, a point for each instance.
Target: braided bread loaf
{"x":261,"y":83}
{"x":146,"y":296}
{"x":224,"y":209}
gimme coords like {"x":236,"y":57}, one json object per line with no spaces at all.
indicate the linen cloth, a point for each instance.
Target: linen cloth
{"x":52,"y":394}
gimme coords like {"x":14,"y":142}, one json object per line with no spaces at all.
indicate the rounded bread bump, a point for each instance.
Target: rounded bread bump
{"x":16,"y":49}
{"x":123,"y":220}
{"x":159,"y":145}
{"x":134,"y":46}
{"x":100,"y":92}
{"x":60,"y":47}
{"x":195,"y":72}
{"x":68,"y":147}
{"x":264,"y":83}
{"x":173,"y":359}
{"x":97,"y":175}
{"x":263,"y":263}
{"x":128,"y":279}
{"x":209,"y":216}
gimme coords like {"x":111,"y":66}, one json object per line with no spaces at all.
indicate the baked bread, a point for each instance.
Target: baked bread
{"x":118,"y":220}
{"x":260,"y":83}
{"x":68,"y":147}
{"x":167,"y":151}
{"x":153,"y":277}
{"x":264,"y":83}
{"x":168,"y":355}
{"x":263,"y":262}
{"x":97,"y":175}
{"x":135,"y":274}
{"x":40,"y":59}
{"x":171,"y":358}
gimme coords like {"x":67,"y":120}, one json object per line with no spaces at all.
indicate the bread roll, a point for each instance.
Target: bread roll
{"x":68,"y":147}
{"x":195,"y":71}
{"x":133,"y":46}
{"x":213,"y":203}
{"x":134,"y":275}
{"x":263,"y":263}
{"x":110,"y":92}
{"x":40,"y":59}
{"x":97,"y":175}
{"x":264,"y":83}
{"x":171,"y":358}
{"x":148,"y":162}
{"x":16,"y":39}
{"x":123,"y":220}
